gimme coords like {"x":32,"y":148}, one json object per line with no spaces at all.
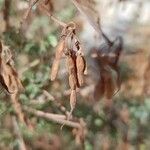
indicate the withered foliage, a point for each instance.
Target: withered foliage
{"x":107,"y":60}
{"x":9,"y":79}
{"x":107,"y":55}
{"x":8,"y":75}
{"x":70,"y":46}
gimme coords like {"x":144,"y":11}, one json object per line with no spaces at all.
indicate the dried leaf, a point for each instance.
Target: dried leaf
{"x":11,"y":78}
{"x":8,"y":75}
{"x":99,"y":89}
{"x":109,"y":86}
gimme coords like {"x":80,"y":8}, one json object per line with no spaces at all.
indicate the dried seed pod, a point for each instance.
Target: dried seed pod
{"x":80,"y":64}
{"x":71,"y":65}
{"x":72,"y":81}
{"x":55,"y":67}
{"x":73,"y":100}
{"x":58,"y":55}
{"x":59,"y":49}
{"x":80,"y":78}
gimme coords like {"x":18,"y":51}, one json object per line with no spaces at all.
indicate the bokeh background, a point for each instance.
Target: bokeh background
{"x":127,"y":125}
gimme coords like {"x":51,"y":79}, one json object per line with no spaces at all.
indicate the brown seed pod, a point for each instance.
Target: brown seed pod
{"x":55,"y":67}
{"x":58,"y":55}
{"x":59,"y":49}
{"x":71,"y":65}
{"x":73,"y":100}
{"x":72,"y":81}
{"x":80,"y":64}
{"x":80,"y":78}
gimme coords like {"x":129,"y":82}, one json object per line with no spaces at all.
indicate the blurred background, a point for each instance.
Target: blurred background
{"x":126,"y":126}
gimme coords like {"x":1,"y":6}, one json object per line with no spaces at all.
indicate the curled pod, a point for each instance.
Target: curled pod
{"x":73,"y":100}
{"x":81,"y":65}
{"x":72,"y":81}
{"x":55,"y":68}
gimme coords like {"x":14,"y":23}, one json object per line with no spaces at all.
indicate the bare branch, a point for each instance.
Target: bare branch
{"x":53,"y":18}
{"x":18,"y":134}
{"x":53,"y":117}
{"x":56,"y":101}
{"x":17,"y":107}
{"x":30,"y":65}
{"x":31,"y":5}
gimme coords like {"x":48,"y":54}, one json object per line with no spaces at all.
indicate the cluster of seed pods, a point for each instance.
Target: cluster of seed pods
{"x":70,"y":46}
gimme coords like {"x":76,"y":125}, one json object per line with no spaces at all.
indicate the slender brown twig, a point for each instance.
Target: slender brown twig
{"x":53,"y":17}
{"x":31,"y":5}
{"x":18,"y":134}
{"x":52,"y":117}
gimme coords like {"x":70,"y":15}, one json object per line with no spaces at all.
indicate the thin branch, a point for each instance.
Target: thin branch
{"x":31,"y":5}
{"x":17,"y":107}
{"x":53,"y":18}
{"x":30,"y":65}
{"x":43,"y":114}
{"x":52,"y":117}
{"x":6,"y":10}
{"x":58,"y":104}
{"x":18,"y":134}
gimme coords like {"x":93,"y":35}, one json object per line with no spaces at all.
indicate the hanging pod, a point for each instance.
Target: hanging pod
{"x":58,"y":55}
{"x":80,"y":64}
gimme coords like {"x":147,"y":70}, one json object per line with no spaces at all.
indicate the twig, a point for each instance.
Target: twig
{"x":53,"y":117}
{"x":18,"y":134}
{"x":7,"y":4}
{"x":17,"y":107}
{"x":53,"y":18}
{"x":58,"y":104}
{"x":31,"y":4}
{"x":43,"y":114}
{"x":30,"y":65}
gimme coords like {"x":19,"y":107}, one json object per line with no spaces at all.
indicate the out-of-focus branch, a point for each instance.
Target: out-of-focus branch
{"x":57,"y":103}
{"x":6,"y":10}
{"x":18,"y":134}
{"x":52,"y":117}
{"x":17,"y":107}
{"x":52,"y":17}
{"x":31,"y":5}
{"x":30,"y":65}
{"x":43,"y":114}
